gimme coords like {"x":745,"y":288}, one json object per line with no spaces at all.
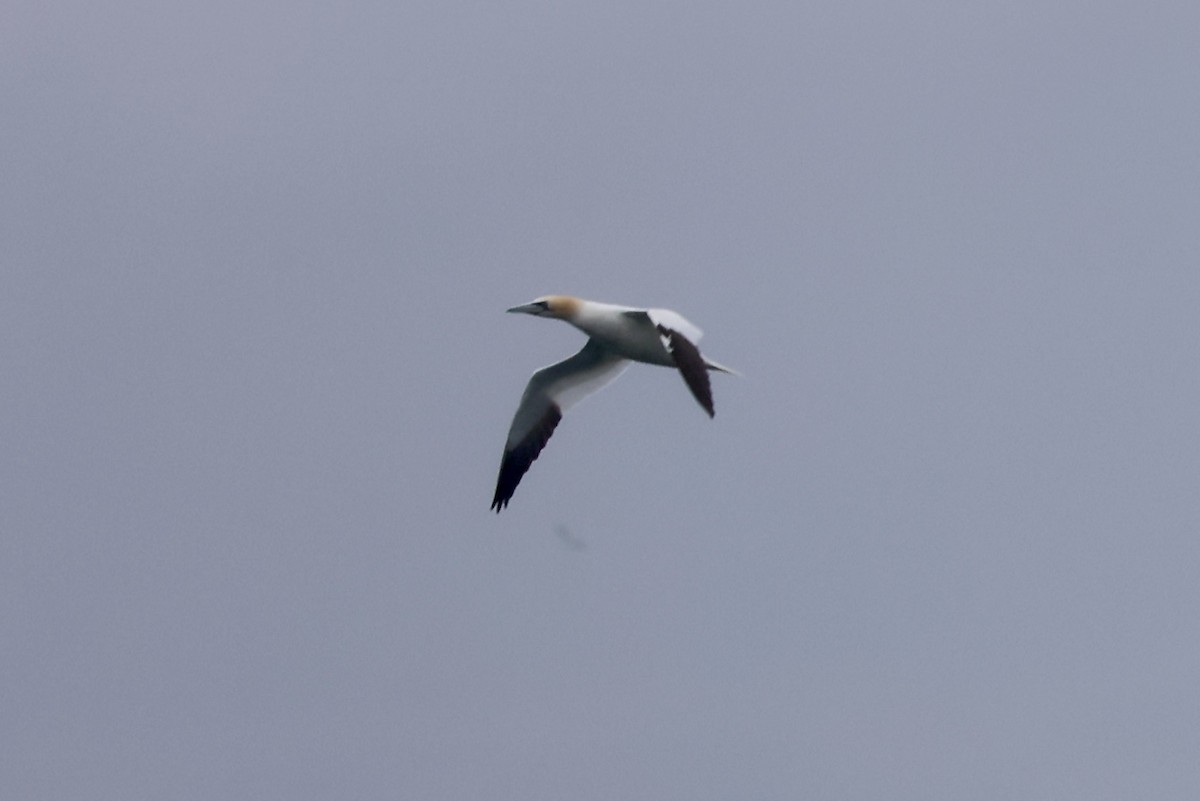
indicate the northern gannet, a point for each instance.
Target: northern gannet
{"x":617,"y":335}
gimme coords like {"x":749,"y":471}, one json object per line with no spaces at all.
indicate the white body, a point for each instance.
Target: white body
{"x":632,"y":333}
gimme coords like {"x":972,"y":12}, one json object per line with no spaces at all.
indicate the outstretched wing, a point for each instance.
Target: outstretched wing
{"x":690,"y":363}
{"x":550,"y":392}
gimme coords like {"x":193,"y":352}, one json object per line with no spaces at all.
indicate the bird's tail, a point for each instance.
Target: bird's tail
{"x":720,"y":368}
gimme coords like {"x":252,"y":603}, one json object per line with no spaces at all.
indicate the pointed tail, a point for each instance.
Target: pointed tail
{"x":720,"y":368}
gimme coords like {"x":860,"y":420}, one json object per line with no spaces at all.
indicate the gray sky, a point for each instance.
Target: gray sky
{"x":255,"y":376}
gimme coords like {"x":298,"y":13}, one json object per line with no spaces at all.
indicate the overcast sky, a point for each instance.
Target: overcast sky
{"x":942,"y":541}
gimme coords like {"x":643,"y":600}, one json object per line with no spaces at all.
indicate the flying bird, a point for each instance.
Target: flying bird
{"x":617,"y":335}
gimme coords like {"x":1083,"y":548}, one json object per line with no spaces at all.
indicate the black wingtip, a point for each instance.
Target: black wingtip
{"x":517,"y":460}
{"x":691,"y":366}
{"x":500,"y":501}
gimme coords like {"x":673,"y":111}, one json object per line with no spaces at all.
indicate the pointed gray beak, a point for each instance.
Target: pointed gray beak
{"x":529,"y":308}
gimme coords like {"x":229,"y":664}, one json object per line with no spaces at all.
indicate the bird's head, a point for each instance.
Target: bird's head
{"x":560,"y":307}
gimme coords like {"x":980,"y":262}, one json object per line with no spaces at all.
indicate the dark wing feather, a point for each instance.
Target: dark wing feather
{"x":518,"y":458}
{"x":691,"y":366}
{"x":550,"y":392}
